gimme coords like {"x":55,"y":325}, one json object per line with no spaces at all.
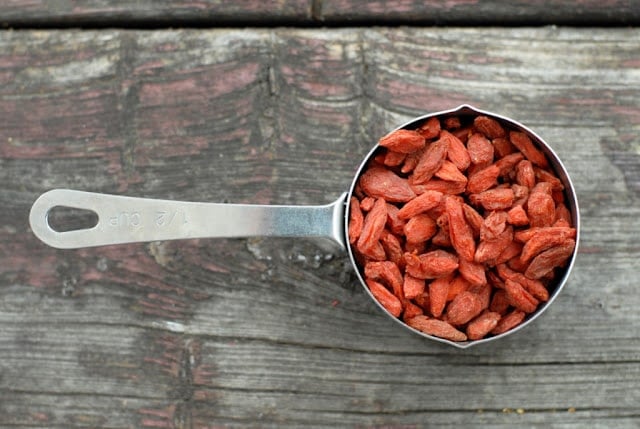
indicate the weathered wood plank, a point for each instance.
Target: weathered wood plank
{"x":276,"y":332}
{"x":475,"y":12}
{"x":310,"y":12}
{"x":153,"y":12}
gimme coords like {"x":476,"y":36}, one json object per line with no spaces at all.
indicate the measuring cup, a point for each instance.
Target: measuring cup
{"x":123,"y":219}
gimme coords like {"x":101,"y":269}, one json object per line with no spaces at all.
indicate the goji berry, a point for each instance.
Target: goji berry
{"x":430,"y":265}
{"x":413,"y":286}
{"x":403,"y":141}
{"x":388,"y":272}
{"x":388,"y":300}
{"x":422,"y":203}
{"x":480,"y":149}
{"x":378,"y":182}
{"x":550,"y":259}
{"x":489,"y":127}
{"x":356,"y":220}
{"x":473,"y":272}
{"x":526,"y":146}
{"x":430,"y":161}
{"x":437,"y":328}
{"x":464,"y":307}
{"x":483,"y":179}
{"x":438,"y":291}
{"x":450,"y":173}
{"x":420,"y":228}
{"x":430,"y":128}
{"x":508,"y":322}
{"x":483,"y":324}
{"x":373,"y":226}
{"x":457,"y":152}
{"x":459,"y":231}
{"x":519,"y":297}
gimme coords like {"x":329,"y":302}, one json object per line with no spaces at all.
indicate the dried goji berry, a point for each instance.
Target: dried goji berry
{"x":526,"y":146}
{"x":525,"y":175}
{"x":502,"y":147}
{"x":543,"y":175}
{"x":544,"y":238}
{"x":499,"y":302}
{"x":458,"y":285}
{"x":489,"y":127}
{"x":517,"y":216}
{"x":411,"y":310}
{"x":508,"y":322}
{"x":541,"y":209}
{"x":550,"y":259}
{"x":430,"y":161}
{"x":366,"y":204}
{"x":410,"y":161}
{"x":394,"y":159}
{"x":392,"y":247}
{"x":388,"y":272}
{"x":450,"y":173}
{"x":356,"y":220}
{"x":512,"y":251}
{"x":422,"y":203}
{"x":534,"y":287}
{"x":403,"y":141}
{"x":413,"y":286}
{"x":442,"y":186}
{"x":490,"y":250}
{"x":483,"y":324}
{"x":394,"y":223}
{"x":494,"y":225}
{"x":519,"y":297}
{"x":473,"y":272}
{"x":457,"y":152}
{"x":493,"y":199}
{"x":430,"y":128}
{"x":378,"y":182}
{"x":459,"y":231}
{"x":373,"y":226}
{"x":437,"y":328}
{"x":483,"y":179}
{"x":420,"y":228}
{"x":422,"y":300}
{"x":388,"y":300}
{"x":438,"y":291}
{"x":474,"y":219}
{"x":430,"y":265}
{"x":480,"y":149}
{"x":463,"y":308}
{"x":507,"y":163}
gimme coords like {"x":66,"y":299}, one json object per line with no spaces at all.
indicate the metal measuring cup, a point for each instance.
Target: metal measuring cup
{"x":123,"y":219}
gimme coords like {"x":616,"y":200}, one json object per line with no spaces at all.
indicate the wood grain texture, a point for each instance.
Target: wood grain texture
{"x":152,"y":12}
{"x":277,"y":332}
{"x":315,"y":12}
{"x":478,"y":12}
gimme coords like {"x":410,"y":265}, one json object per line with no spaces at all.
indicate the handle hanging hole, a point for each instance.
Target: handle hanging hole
{"x":64,"y":219}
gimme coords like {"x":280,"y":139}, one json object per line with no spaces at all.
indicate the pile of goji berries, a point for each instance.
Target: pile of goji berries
{"x":460,"y":226}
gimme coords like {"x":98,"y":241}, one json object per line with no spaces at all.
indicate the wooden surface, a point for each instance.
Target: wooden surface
{"x":153,"y":13}
{"x":277,"y":333}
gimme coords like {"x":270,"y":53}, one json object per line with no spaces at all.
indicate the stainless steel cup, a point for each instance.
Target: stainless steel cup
{"x":124,"y":219}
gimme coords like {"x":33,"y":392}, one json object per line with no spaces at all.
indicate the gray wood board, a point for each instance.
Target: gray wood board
{"x":277,"y":332}
{"x":155,"y":13}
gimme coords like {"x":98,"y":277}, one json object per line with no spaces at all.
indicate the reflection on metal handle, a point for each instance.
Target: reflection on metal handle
{"x":128,"y":220}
